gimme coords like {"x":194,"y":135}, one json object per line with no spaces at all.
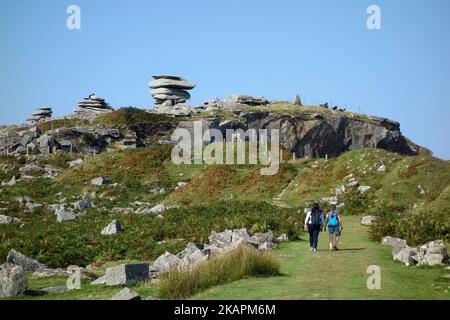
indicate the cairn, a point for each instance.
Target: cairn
{"x":40,"y":114}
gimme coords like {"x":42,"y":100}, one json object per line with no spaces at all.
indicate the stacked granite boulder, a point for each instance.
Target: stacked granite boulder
{"x":40,"y":114}
{"x":170,"y":90}
{"x":91,"y":107}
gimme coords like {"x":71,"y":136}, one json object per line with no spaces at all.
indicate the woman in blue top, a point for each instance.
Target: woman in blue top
{"x":334,"y":223}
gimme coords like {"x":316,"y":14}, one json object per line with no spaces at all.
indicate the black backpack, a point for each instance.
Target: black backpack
{"x":315,"y":217}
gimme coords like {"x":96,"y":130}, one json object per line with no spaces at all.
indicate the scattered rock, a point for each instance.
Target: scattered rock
{"x":166,"y":262}
{"x":13,"y":280}
{"x":432,"y":253}
{"x":159,"y":208}
{"x":63,"y":215}
{"x":126,"y":274}
{"x":330,"y":200}
{"x":83,"y":204}
{"x":381,"y":168}
{"x":283,"y":238}
{"x":123,"y":210}
{"x":394,"y":242}
{"x":8,"y":220}
{"x":29,"y":265}
{"x":126,"y":294}
{"x":75,"y":163}
{"x":368,"y":220}
{"x":101,"y":181}
{"x":113,"y":228}
{"x":339,"y":190}
{"x":364,"y":189}
{"x":404,"y":255}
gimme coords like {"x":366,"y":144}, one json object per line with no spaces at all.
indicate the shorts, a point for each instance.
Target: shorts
{"x":333,"y":230}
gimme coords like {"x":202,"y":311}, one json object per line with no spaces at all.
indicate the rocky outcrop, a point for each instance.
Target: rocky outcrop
{"x":170,"y":90}
{"x":322,"y":134}
{"x":91,"y":107}
{"x":40,"y":114}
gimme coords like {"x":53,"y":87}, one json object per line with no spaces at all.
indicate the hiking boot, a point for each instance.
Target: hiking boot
{"x":315,"y":250}
{"x":311,"y":249}
{"x":336,"y":248}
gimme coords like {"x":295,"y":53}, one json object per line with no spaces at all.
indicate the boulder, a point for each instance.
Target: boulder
{"x":123,"y":210}
{"x":381,"y":168}
{"x":283,"y":238}
{"x":8,"y":220}
{"x":126,"y":294}
{"x":404,"y":255}
{"x":166,"y":262}
{"x":193,"y":254}
{"x":100,"y":181}
{"x":126,"y":274}
{"x":221,"y":239}
{"x":29,"y":265}
{"x":364,"y":189}
{"x":83,"y":204}
{"x":13,"y":280}
{"x":263,"y":241}
{"x":340,"y":190}
{"x":368,"y":220}
{"x":113,"y":228}
{"x":394,"y":242}
{"x":432,"y":253}
{"x":75,"y":163}
{"x":65,"y":215}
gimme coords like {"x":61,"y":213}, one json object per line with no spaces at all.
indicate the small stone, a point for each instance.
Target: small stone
{"x":101,"y":181}
{"x":364,"y":189}
{"x":126,"y":294}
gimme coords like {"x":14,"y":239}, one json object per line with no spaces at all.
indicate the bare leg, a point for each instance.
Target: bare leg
{"x":331,"y":242}
{"x":336,"y":242}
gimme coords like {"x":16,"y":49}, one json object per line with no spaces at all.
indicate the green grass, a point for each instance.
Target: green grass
{"x":337,"y":275}
{"x":241,"y":262}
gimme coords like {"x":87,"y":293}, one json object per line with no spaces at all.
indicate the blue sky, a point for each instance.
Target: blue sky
{"x":319,"y":49}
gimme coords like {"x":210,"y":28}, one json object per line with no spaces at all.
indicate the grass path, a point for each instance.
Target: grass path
{"x":338,"y":275}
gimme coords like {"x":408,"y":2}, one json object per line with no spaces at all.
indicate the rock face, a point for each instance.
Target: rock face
{"x":13,"y":280}
{"x":126,"y":294}
{"x":91,"y":107}
{"x":28,"y":265}
{"x":126,"y":274}
{"x":40,"y":114}
{"x":170,"y":90}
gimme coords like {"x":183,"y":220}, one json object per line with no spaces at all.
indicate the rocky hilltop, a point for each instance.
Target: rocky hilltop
{"x":306,"y":131}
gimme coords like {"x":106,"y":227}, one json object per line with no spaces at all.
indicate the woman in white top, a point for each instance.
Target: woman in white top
{"x":313,"y":224}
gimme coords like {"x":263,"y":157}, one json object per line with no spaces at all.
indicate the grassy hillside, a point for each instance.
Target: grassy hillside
{"x":216,"y":197}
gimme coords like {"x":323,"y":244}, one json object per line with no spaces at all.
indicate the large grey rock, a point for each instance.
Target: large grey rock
{"x":193,"y":254}
{"x":221,"y":239}
{"x":100,"y":181}
{"x":126,"y":274}
{"x":368,"y":220}
{"x":404,"y":255}
{"x":113,"y":228}
{"x":166,"y":262}
{"x":13,"y":280}
{"x":29,"y":265}
{"x":170,"y":94}
{"x":263,"y":241}
{"x":126,"y":294}
{"x":432,"y":253}
{"x":394,"y":242}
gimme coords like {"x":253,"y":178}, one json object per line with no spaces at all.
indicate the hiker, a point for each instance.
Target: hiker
{"x":313,"y":224}
{"x":334,"y":223}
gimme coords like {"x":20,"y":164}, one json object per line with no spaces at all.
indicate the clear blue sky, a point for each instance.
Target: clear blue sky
{"x":319,"y":49}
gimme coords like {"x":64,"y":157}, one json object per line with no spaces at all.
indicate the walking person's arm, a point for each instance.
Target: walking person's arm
{"x":326,"y":222}
{"x":340,"y":221}
{"x":306,"y":221}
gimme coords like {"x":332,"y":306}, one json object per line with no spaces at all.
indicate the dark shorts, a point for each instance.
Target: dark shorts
{"x":333,"y":230}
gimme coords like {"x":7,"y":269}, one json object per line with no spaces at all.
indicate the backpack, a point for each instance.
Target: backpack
{"x":315,"y":217}
{"x":333,"y":219}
